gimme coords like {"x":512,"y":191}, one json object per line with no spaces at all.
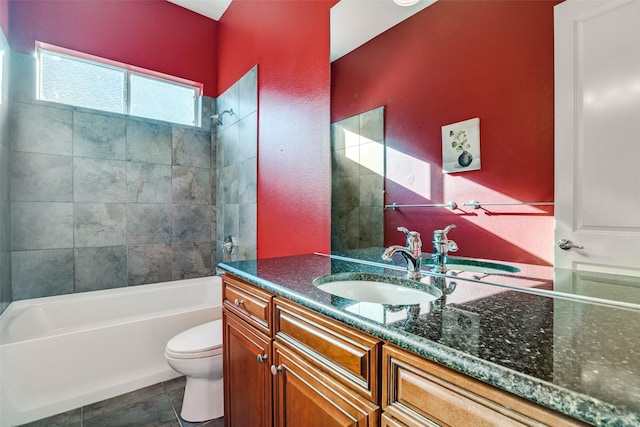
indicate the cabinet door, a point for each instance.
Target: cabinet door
{"x":306,"y":396}
{"x":419,"y":392}
{"x":247,"y":377}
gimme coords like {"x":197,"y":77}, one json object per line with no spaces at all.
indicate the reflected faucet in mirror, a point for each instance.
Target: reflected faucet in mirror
{"x":412,"y":253}
{"x":441,"y":247}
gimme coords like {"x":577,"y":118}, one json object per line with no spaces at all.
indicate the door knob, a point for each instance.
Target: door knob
{"x":262,"y":358}
{"x":566,"y":244}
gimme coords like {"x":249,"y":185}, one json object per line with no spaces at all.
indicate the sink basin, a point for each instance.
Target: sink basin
{"x":376,"y":288}
{"x":476,"y":266}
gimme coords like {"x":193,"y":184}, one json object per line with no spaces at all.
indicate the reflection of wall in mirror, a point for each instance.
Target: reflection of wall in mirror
{"x":449,"y":62}
{"x":357,"y":168}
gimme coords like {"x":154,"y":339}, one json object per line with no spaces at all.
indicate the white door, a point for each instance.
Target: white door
{"x":597,"y":135}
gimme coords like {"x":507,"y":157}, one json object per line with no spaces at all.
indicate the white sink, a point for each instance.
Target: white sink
{"x":377,"y":288}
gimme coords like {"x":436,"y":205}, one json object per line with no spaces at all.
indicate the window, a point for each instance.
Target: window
{"x":81,"y":80}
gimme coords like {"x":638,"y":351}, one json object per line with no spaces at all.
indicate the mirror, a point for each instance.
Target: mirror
{"x":451,"y":62}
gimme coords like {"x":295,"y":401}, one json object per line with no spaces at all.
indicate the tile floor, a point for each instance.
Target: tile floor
{"x":158,"y":405}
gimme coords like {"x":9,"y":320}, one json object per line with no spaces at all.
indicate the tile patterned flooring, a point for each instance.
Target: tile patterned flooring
{"x":158,"y":405}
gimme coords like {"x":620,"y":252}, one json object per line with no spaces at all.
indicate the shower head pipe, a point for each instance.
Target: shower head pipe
{"x":217,"y":117}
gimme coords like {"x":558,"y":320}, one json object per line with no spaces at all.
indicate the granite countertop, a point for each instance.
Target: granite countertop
{"x":578,"y":357}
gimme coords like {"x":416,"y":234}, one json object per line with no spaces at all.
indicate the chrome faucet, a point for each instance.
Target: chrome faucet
{"x":441,"y":247}
{"x":412,"y":253}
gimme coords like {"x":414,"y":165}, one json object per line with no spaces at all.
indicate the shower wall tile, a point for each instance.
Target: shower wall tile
{"x":99,"y":224}
{"x":246,"y":147}
{"x":345,"y":133}
{"x":98,"y":180}
{"x":372,"y":124}
{"x":247,"y":230}
{"x":23,"y":75}
{"x":149,"y":264}
{"x":148,"y":142}
{"x":42,"y":273}
{"x":148,"y":223}
{"x":248,"y":93}
{"x":148,"y":183}
{"x":41,"y":129}
{"x":126,"y":200}
{"x":357,"y":183}
{"x":5,"y":181}
{"x":228,"y":101}
{"x":100,"y":268}
{"x":236,"y":145}
{"x":231,"y":224}
{"x":191,"y":148}
{"x":41,"y":225}
{"x":191,"y":185}
{"x":370,"y":224}
{"x":191,"y":259}
{"x":228,"y":144}
{"x":248,"y":181}
{"x":41,"y":177}
{"x":191,"y":223}
{"x":99,"y":135}
{"x":371,"y":193}
{"x":207,"y":112}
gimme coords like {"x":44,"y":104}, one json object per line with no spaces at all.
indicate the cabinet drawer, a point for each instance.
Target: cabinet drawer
{"x":345,"y":353}
{"x":248,"y":302}
{"x":417,"y":391}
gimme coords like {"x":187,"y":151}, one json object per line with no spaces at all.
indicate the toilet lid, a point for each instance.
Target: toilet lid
{"x":205,"y":338}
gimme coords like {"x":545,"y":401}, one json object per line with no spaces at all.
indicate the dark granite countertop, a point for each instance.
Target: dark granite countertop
{"x":578,"y":357}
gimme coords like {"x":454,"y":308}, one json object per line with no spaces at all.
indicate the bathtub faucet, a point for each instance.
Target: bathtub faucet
{"x":441,"y":247}
{"x":412,"y":253}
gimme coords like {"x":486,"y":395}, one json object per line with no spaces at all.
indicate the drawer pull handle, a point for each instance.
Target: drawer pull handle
{"x":262,"y":358}
{"x":238,"y":303}
{"x":275,"y":369}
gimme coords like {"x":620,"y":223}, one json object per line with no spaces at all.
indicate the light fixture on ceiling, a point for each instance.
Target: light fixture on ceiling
{"x":405,"y":2}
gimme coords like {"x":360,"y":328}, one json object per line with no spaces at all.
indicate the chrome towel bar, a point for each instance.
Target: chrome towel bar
{"x":476,"y":204}
{"x":450,"y":205}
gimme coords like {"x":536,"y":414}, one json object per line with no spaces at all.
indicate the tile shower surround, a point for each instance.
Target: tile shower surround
{"x":101,"y":200}
{"x":5,"y":211}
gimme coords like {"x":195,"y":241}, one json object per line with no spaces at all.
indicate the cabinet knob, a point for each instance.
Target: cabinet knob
{"x":262,"y":358}
{"x":275,"y":369}
{"x":238,"y":302}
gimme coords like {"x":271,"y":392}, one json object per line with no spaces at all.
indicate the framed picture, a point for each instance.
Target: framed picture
{"x":461,"y":146}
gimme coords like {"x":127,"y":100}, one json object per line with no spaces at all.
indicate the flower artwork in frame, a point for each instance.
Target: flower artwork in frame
{"x":461,"y":146}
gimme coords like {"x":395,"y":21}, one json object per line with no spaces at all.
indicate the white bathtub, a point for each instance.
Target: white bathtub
{"x":59,"y":353}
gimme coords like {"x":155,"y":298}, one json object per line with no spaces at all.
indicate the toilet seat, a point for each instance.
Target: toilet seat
{"x":200,"y":341}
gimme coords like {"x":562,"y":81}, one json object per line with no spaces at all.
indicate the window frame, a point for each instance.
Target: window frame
{"x":128,"y":70}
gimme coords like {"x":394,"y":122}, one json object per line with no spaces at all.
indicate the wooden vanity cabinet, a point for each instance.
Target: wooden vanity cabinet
{"x":418,"y":392}
{"x":306,"y":396}
{"x":247,"y":352}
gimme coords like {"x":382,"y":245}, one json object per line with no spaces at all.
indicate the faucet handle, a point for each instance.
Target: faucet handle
{"x":414,"y":243}
{"x":453,"y":247}
{"x":448,"y":228}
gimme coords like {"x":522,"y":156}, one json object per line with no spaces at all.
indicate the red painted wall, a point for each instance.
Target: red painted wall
{"x":4,"y":17}
{"x":153,"y":34}
{"x":453,"y":61}
{"x":289,"y":40}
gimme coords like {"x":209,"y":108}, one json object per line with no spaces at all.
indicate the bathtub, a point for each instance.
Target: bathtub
{"x":62,"y":352}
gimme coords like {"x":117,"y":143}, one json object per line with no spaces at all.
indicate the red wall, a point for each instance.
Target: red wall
{"x":289,"y":40}
{"x":453,"y":61}
{"x":152,"y":34}
{"x":4,"y":17}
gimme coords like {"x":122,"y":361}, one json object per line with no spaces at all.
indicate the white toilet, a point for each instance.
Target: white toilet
{"x":197,"y":354}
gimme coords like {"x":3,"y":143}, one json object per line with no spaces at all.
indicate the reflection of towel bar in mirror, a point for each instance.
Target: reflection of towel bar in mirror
{"x":476,"y":204}
{"x":450,"y":205}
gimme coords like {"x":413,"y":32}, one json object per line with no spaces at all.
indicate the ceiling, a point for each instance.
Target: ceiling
{"x":353,"y":22}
